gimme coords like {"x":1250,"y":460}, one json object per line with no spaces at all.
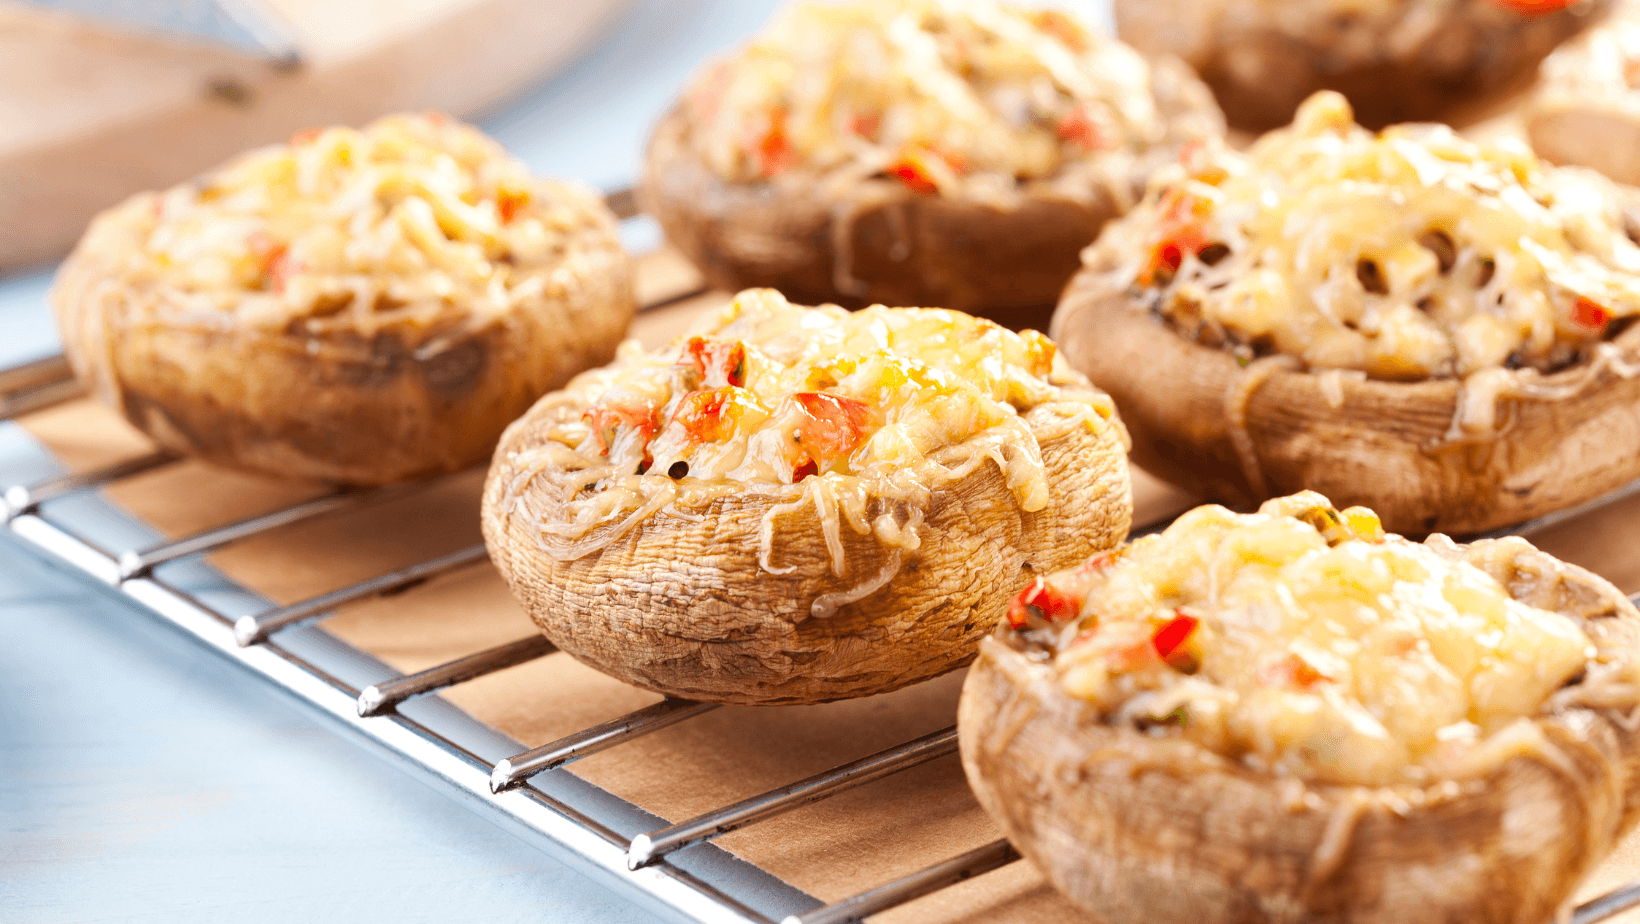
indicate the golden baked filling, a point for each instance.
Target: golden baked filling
{"x":1407,"y":254}
{"x":817,"y":405}
{"x":1604,"y":64}
{"x":1303,"y":640}
{"x":940,"y":94}
{"x":352,"y":229}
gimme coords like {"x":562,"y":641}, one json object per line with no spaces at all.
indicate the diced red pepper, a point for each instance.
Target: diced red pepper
{"x":509,"y":202}
{"x":1086,"y":128}
{"x":1181,"y":231}
{"x":705,"y":415}
{"x":1589,"y":313}
{"x":831,"y":426}
{"x":1169,"y":640}
{"x":913,"y":169}
{"x":772,"y":150}
{"x":1044,"y":601}
{"x":717,"y":362}
{"x":606,"y":421}
{"x":805,"y":470}
{"x":1534,"y":7}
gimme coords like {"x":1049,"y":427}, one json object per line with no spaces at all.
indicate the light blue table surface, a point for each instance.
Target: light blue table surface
{"x":143,"y":778}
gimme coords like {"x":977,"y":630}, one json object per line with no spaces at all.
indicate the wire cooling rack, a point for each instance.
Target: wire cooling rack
{"x":401,"y":714}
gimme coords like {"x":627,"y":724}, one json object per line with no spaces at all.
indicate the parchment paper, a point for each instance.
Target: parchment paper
{"x":833,"y":849}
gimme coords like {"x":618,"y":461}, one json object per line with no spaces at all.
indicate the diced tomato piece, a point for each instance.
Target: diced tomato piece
{"x":437,"y":118}
{"x":831,"y":426}
{"x":914,"y":173}
{"x":1294,"y":671}
{"x":717,"y":362}
{"x":606,"y":421}
{"x":1086,"y":128}
{"x":913,"y":168}
{"x":1534,"y":7}
{"x":707,"y":416}
{"x":304,"y":136}
{"x":1045,"y":601}
{"x":509,"y":201}
{"x":1589,"y":313}
{"x":771,"y":150}
{"x":1170,"y":641}
{"x":1181,"y":231}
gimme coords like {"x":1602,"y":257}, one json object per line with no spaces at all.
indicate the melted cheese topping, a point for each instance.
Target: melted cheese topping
{"x":937,"y":93}
{"x":1303,"y":640}
{"x":412,"y":217}
{"x":815,"y":406}
{"x":1601,"y":65}
{"x":1408,"y":254}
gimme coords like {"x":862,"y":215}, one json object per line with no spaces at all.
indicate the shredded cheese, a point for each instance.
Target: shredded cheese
{"x":1304,"y":641}
{"x":413,"y":218}
{"x":861,"y":416}
{"x":1404,"y":255}
{"x":939,"y":94}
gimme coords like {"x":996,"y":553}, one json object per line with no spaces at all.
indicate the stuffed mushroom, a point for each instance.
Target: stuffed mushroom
{"x":1396,"y":60}
{"x":1586,"y":108}
{"x":956,"y":153}
{"x":357,"y":306}
{"x":1407,"y":320}
{"x":1291,"y":716}
{"x":801,"y":504}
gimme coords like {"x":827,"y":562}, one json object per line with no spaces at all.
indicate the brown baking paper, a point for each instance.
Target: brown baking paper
{"x":833,"y":849}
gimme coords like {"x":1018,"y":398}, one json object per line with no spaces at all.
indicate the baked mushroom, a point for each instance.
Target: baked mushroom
{"x":794,"y":504}
{"x":1586,"y":108}
{"x":915,"y":152}
{"x":356,"y":306}
{"x":1433,"y":328}
{"x":1396,"y":60}
{"x":1290,"y":716}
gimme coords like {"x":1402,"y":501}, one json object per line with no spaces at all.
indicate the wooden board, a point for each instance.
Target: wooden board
{"x":89,"y":115}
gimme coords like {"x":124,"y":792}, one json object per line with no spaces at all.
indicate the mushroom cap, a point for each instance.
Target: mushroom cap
{"x":1140,"y":828}
{"x":682,"y":606}
{"x":1380,"y":444}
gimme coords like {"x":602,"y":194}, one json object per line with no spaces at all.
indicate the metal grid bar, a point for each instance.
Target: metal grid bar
{"x":378,"y":698}
{"x":513,"y":770}
{"x":22,"y":499}
{"x":647,"y":848}
{"x":138,"y":562}
{"x":504,"y":786}
{"x":253,"y":628}
{"x":966,"y":866}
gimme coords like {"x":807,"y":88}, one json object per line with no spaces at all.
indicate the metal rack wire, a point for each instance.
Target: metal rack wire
{"x":281,"y":644}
